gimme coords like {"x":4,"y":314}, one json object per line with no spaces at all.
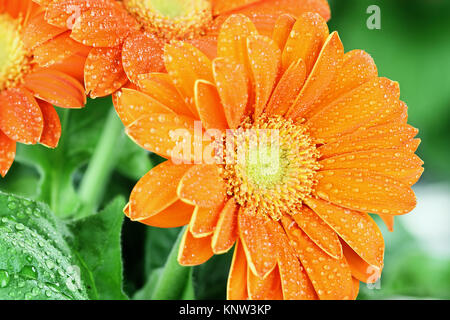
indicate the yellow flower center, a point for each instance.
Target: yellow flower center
{"x":172,"y":19}
{"x":15,"y":60}
{"x":273,"y":165}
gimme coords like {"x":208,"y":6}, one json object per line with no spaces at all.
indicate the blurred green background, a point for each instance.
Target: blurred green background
{"x":412,"y":47}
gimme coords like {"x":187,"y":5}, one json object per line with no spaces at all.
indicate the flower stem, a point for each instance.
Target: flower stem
{"x":102,"y":164}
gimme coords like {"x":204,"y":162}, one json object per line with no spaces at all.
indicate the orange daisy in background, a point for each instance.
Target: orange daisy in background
{"x":299,"y":222}
{"x":127,"y":37}
{"x":28,"y":91}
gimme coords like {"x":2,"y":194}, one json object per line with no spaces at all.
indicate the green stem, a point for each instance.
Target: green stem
{"x":175,"y":281}
{"x":102,"y":164}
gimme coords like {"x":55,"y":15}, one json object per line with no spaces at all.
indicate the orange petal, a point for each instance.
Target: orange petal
{"x":163,"y":133}
{"x":64,"y":13}
{"x":204,"y":220}
{"x":141,"y":54}
{"x":232,"y":85}
{"x":221,"y":6}
{"x":72,"y":66}
{"x":52,"y":126}
{"x":392,"y":135}
{"x":268,"y":288}
{"x":282,"y":29}
{"x":357,"y":68}
{"x":176,"y":215}
{"x":103,"y":72}
{"x":160,"y":86}
{"x":209,"y":107}
{"x":237,"y":278}
{"x":257,"y":243}
{"x":56,"y":88}
{"x":330,"y":277}
{"x":103,"y":27}
{"x":202,"y":186}
{"x":355,"y":109}
{"x":358,"y":190}
{"x":56,"y":50}
{"x":7,"y":153}
{"x":20,"y":116}
{"x":39,"y":31}
{"x":132,"y":104}
{"x":232,"y":41}
{"x":318,"y":231}
{"x":402,"y":166}
{"x":206,"y":44}
{"x":156,"y":190}
{"x":329,"y":61}
{"x":225,"y":233}
{"x":194,"y":251}
{"x":264,"y":58}
{"x":185,"y":65}
{"x":357,"y":229}
{"x":294,"y":280}
{"x":265,"y":13}
{"x":305,"y":40}
{"x":361,"y":270}
{"x":287,"y":89}
{"x":388,"y":221}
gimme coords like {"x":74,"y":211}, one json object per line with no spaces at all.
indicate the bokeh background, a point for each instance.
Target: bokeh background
{"x":412,"y":47}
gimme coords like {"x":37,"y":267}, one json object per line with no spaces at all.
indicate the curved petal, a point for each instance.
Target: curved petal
{"x":354,"y":110}
{"x":358,"y":190}
{"x":103,"y":27}
{"x":282,"y":30}
{"x":305,"y":41}
{"x":202,"y":186}
{"x":160,"y":86}
{"x":257,"y":243}
{"x":20,"y":116}
{"x":389,"y":136}
{"x":103,"y":71}
{"x":361,"y":270}
{"x":176,"y":215}
{"x":206,"y":44}
{"x":357,"y":229}
{"x":132,"y":104}
{"x":318,"y":231}
{"x":287,"y":89}
{"x":194,"y":251}
{"x":221,"y":6}
{"x":169,"y":135}
{"x":328,"y":62}
{"x":330,"y":277}
{"x":403,"y":166}
{"x":388,"y":221}
{"x":38,"y":31}
{"x":56,"y":88}
{"x":208,"y":105}
{"x":141,"y":54}
{"x":226,"y":231}
{"x":52,"y":126}
{"x":237,"y":278}
{"x":7,"y":153}
{"x":264,"y":57}
{"x":232,"y":85}
{"x":186,"y":64}
{"x":156,"y":190}
{"x":204,"y":220}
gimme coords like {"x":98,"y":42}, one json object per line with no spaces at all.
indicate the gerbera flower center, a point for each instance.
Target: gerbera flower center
{"x":273,"y":165}
{"x":15,"y":60}
{"x":172,"y":19}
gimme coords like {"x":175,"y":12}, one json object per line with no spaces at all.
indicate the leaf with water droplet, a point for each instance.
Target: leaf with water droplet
{"x":35,"y":260}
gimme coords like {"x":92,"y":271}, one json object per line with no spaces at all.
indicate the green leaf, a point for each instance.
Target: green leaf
{"x":35,"y":260}
{"x":98,"y":246}
{"x":61,"y":169}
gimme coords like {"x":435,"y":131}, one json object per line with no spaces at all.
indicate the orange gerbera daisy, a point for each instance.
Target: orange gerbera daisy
{"x":128,"y":36}
{"x":298,"y":218}
{"x":27,"y":92}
